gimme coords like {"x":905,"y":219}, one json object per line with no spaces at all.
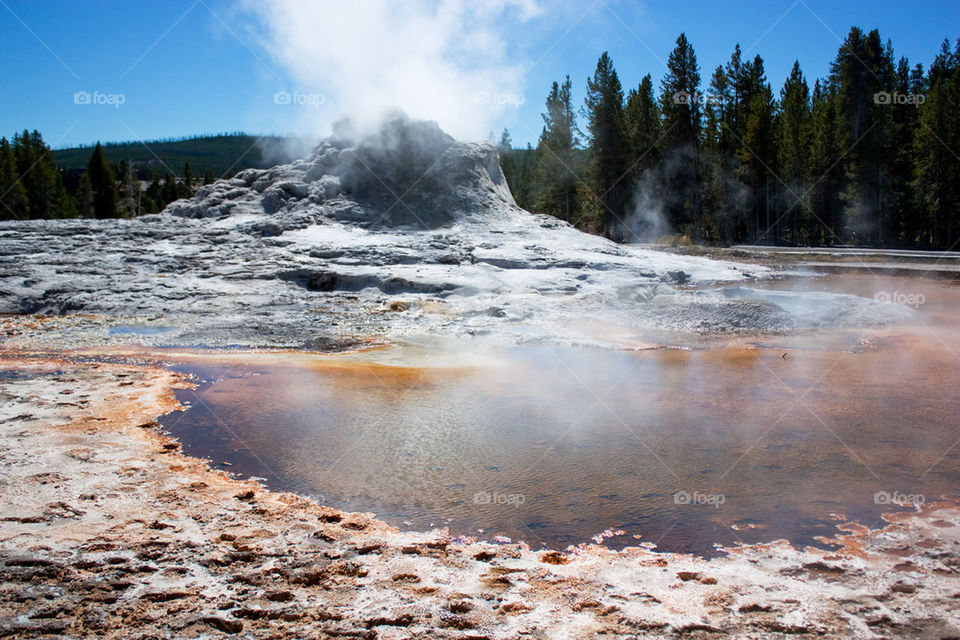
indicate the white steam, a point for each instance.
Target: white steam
{"x":646,"y":221}
{"x":446,"y":61}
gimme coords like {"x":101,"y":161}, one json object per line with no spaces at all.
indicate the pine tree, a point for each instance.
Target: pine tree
{"x":608,"y":150}
{"x":557,"y":164}
{"x":735,"y":117}
{"x":526,"y":191}
{"x":644,"y":155}
{"x":506,"y":142}
{"x":14,"y":204}
{"x":722,"y":194}
{"x":85,"y":206}
{"x":508,"y":161}
{"x":187,"y":186}
{"x":757,"y":152}
{"x":103,"y":183}
{"x":828,"y":174}
{"x":914,"y":219}
{"x":154,"y":202}
{"x":125,"y":204}
{"x":41,"y":178}
{"x":937,"y":169}
{"x":794,"y":143}
{"x":207,"y":177}
{"x":682,"y":122}
{"x":642,"y":117}
{"x":862,"y":71}
{"x":718,"y":101}
{"x":131,"y":190}
{"x":900,"y":213}
{"x":171,"y":190}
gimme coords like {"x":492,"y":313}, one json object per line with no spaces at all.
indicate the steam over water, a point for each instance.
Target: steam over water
{"x":685,"y":448}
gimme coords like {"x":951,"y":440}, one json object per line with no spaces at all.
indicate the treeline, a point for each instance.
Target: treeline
{"x":222,"y":153}
{"x":867,"y":156}
{"x":33,"y":186}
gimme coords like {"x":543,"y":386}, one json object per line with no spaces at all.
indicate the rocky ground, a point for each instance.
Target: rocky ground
{"x":108,"y":531}
{"x":877,"y":262}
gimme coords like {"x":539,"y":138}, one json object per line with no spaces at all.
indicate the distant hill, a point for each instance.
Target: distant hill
{"x":223,"y":154}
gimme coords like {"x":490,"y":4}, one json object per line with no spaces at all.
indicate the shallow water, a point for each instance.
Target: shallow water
{"x":138,"y":330}
{"x":684,"y":448}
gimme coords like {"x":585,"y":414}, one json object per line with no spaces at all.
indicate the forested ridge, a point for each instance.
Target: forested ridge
{"x":867,"y":156}
{"x":118,"y":179}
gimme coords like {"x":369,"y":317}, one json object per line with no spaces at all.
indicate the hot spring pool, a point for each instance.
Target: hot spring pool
{"x":752,"y":440}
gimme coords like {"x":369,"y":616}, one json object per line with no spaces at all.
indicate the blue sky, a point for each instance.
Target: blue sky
{"x":183,"y":67}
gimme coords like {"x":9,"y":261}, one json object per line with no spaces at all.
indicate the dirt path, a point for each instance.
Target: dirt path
{"x":108,"y":531}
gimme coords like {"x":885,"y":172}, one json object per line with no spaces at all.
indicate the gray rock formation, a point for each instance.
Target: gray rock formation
{"x":406,"y":174}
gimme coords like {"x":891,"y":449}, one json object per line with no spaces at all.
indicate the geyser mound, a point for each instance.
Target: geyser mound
{"x":404,"y":173}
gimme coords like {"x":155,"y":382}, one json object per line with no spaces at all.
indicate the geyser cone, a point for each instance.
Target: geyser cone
{"x":401,"y":173}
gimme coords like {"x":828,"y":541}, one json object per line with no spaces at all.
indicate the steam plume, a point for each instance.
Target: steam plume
{"x":446,"y":61}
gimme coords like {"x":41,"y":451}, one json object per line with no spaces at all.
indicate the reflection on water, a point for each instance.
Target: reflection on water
{"x":684,"y":448}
